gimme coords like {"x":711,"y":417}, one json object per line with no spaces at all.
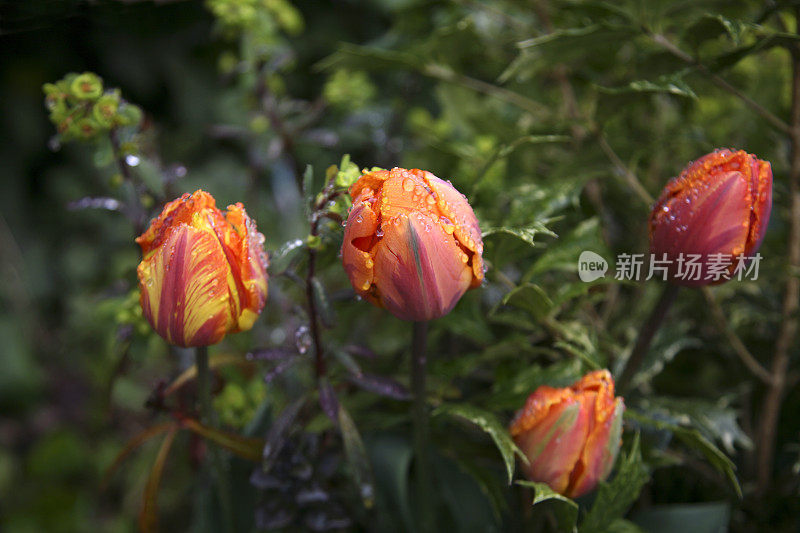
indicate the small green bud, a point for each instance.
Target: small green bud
{"x":85,"y":128}
{"x":86,"y":86}
{"x":105,"y":109}
{"x":314,"y":242}
{"x":129,"y":115}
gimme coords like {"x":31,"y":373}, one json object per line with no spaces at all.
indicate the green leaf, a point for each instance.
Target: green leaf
{"x":347,"y":173}
{"x":488,"y":423}
{"x":567,"y":510}
{"x":704,"y":517}
{"x":672,"y":84}
{"x":531,"y":298}
{"x":148,"y":516}
{"x":245,"y":447}
{"x":696,"y":441}
{"x":526,"y":233}
{"x":282,"y":258}
{"x":139,"y":439}
{"x":357,"y":458}
{"x":615,"y":498}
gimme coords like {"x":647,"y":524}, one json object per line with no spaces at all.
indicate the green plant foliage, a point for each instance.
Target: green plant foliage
{"x":560,"y":121}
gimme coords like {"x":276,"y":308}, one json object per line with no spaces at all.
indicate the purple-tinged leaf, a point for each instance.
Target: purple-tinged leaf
{"x":328,"y":400}
{"x":360,"y":351}
{"x":270,"y":354}
{"x":381,"y":385}
{"x":279,"y":433}
{"x":279,"y":369}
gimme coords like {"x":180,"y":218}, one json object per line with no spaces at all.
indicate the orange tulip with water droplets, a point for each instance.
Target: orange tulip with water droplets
{"x":571,"y":436}
{"x":412,"y":243}
{"x":204,"y":272}
{"x":720,"y":204}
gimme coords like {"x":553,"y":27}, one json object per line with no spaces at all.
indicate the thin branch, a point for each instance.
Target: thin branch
{"x":736,"y":343}
{"x":720,"y":82}
{"x":629,"y":176}
{"x":770,"y":411}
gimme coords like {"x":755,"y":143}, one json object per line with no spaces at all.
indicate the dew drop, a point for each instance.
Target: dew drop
{"x":408,"y":185}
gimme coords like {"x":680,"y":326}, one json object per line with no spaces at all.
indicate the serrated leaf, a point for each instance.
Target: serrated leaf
{"x":567,"y":509}
{"x":673,"y":84}
{"x":526,"y":233}
{"x":357,"y":458}
{"x":696,"y":441}
{"x":616,"y":497}
{"x":531,"y":298}
{"x":489,"y":424}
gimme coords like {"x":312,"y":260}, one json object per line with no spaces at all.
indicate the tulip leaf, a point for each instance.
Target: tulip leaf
{"x":214,"y":361}
{"x":491,"y":425}
{"x":148,"y":516}
{"x":695,"y":440}
{"x":525,"y":234}
{"x":324,"y":303}
{"x":616,"y":497}
{"x":244,"y":447}
{"x":567,"y":510}
{"x":279,"y":433}
{"x":357,"y":457}
{"x":139,"y":439}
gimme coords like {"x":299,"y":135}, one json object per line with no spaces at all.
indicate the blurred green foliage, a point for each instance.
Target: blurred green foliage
{"x":558,"y":119}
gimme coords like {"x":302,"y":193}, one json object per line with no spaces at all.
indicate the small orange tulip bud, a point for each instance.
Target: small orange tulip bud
{"x":571,"y":436}
{"x":412,"y":243}
{"x":716,"y":210}
{"x":204,"y":272}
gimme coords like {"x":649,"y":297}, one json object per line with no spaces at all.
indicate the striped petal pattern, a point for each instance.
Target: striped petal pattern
{"x":203,"y":274}
{"x":571,"y":436}
{"x":412,"y":243}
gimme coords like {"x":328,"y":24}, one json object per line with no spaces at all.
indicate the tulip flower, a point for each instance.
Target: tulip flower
{"x":204,"y":272}
{"x":412,"y":243}
{"x":717,"y":210}
{"x":571,"y":436}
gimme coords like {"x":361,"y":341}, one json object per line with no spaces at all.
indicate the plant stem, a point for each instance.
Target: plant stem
{"x":218,"y":470}
{"x":420,"y":420}
{"x":771,"y":409}
{"x":647,"y":333}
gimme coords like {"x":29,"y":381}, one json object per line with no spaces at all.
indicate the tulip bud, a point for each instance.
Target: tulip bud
{"x":204,"y":272}
{"x":412,"y":243}
{"x":718,"y":206}
{"x":571,"y":436}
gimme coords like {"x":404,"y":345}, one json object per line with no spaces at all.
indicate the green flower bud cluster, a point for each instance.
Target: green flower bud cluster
{"x":80,"y":108}
{"x":237,"y":402}
{"x":349,"y":89}
{"x":260,"y":16}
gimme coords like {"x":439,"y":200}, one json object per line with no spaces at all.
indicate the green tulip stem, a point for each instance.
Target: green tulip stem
{"x":646,"y":334}
{"x":207,"y":416}
{"x":420,"y":420}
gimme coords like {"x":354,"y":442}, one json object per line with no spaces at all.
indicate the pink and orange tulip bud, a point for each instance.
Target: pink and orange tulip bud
{"x":204,"y":272}
{"x":720,"y":204}
{"x":412,"y":243}
{"x":571,"y":436}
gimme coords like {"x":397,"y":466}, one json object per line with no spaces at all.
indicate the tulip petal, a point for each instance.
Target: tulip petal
{"x":602,"y":445}
{"x":422,"y":272}
{"x":184,"y":288}
{"x":453,"y":206}
{"x":359,"y":237}
{"x":720,"y":204}
{"x":554,"y":445}
{"x":244,"y":249}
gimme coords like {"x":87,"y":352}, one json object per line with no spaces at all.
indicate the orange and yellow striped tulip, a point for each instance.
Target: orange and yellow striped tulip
{"x":204,"y":272}
{"x":571,"y":436}
{"x":412,"y":243}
